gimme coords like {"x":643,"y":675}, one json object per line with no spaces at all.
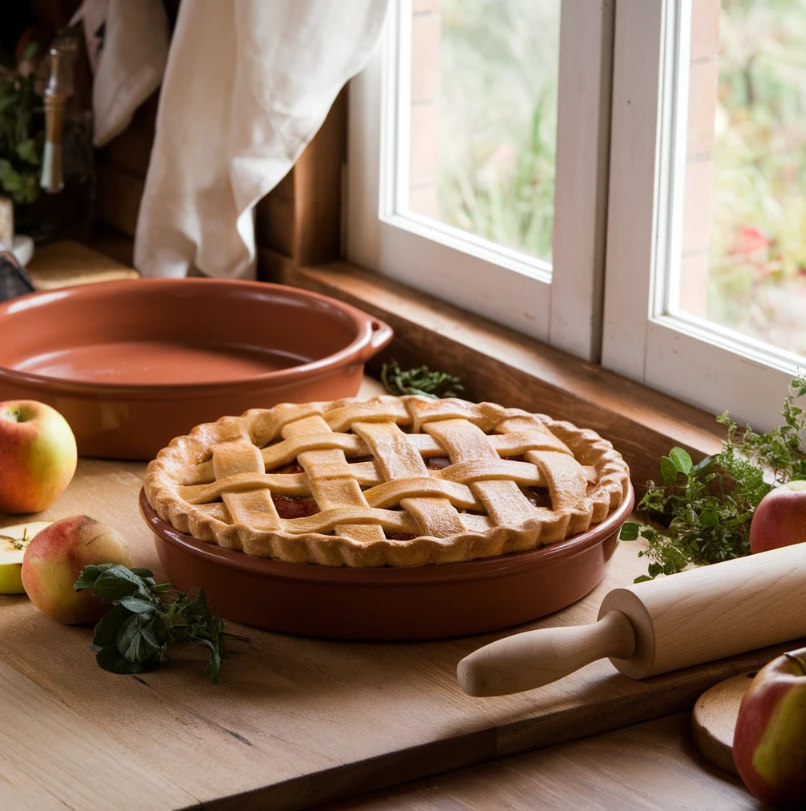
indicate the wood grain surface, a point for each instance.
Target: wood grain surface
{"x":294,"y":721}
{"x":647,"y":767}
{"x":67,"y":263}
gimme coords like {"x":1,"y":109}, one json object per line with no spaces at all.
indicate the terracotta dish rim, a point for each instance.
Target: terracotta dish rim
{"x":391,"y":575}
{"x":372,"y":335}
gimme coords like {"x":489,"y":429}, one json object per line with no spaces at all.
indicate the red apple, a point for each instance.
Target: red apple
{"x":54,"y":560}
{"x":780,"y":518}
{"x":769,"y":744}
{"x":38,"y":453}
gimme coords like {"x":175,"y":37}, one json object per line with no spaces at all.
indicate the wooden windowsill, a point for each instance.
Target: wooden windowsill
{"x":499,"y":364}
{"x":504,"y":366}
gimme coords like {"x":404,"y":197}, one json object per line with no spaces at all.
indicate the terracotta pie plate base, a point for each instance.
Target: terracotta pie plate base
{"x":417,"y":603}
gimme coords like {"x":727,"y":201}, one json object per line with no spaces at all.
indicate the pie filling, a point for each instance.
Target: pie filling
{"x":400,"y":481}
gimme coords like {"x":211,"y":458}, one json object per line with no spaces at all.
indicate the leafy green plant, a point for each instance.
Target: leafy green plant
{"x":704,"y":511}
{"x":133,"y":635}
{"x":701,"y":513}
{"x":21,"y":136}
{"x":780,"y":451}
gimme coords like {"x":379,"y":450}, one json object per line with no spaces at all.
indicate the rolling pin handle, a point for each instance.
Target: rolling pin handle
{"x":534,"y":658}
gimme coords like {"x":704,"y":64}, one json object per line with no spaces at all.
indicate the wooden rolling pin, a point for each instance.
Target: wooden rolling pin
{"x":657,"y":626}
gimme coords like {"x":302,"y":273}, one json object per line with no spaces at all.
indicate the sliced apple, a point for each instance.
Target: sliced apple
{"x":13,"y":542}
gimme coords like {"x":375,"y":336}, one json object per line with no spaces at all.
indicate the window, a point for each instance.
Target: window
{"x":468,"y":118}
{"x":696,"y":159}
{"x":677,"y":155}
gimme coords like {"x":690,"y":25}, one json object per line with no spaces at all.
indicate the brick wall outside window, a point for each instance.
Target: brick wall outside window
{"x":699,"y":156}
{"x":425,"y":83}
{"x":704,"y":70}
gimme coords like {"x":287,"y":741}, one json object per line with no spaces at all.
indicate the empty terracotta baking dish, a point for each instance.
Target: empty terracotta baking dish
{"x":132,"y":364}
{"x":393,"y":602}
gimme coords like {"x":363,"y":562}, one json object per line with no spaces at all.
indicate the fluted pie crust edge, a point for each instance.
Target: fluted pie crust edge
{"x":213,"y":483}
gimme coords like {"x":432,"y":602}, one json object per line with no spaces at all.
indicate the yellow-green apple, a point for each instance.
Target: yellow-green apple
{"x":37,"y":456}
{"x":769,"y":743}
{"x":780,"y":518}
{"x":54,"y":559}
{"x":13,"y":542}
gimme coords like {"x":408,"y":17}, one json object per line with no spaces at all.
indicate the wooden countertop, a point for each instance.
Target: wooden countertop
{"x":297,"y":722}
{"x":643,"y":767}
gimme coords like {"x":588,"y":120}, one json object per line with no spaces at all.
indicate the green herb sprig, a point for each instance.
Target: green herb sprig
{"x":132,"y":637}
{"x":419,"y":381}
{"x":701,"y":513}
{"x":779,"y":451}
{"x":706,"y":510}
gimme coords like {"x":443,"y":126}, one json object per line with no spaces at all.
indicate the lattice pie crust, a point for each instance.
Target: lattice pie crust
{"x":391,"y":481}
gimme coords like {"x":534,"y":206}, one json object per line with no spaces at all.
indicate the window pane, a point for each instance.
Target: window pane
{"x":743,"y":228}
{"x":483,"y":118}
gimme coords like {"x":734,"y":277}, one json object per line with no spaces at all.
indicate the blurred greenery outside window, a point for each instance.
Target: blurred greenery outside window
{"x":498,"y":120}
{"x":497,"y":138}
{"x":757,"y":280}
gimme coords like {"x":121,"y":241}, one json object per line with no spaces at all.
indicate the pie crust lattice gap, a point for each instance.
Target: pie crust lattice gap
{"x":390,"y":481}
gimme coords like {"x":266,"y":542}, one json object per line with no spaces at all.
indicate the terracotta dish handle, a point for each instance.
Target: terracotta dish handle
{"x":381,"y":335}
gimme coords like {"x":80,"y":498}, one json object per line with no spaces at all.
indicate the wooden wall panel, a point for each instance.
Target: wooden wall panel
{"x":131,"y":150}
{"x":300,"y":218}
{"x":318,"y":190}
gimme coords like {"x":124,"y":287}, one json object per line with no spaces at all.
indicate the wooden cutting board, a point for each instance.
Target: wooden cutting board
{"x":294,"y":722}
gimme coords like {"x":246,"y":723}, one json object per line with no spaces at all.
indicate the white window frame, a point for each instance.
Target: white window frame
{"x":616,"y":236}
{"x":562,"y":306}
{"x":643,"y":337}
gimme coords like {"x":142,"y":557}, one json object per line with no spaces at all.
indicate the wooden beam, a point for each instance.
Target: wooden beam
{"x":318,"y":190}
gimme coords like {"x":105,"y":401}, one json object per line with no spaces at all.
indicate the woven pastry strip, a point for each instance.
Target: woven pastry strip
{"x":332,"y":484}
{"x":429,"y":506}
{"x":361,"y":468}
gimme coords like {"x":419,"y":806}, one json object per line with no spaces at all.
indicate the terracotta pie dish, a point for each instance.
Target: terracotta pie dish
{"x":131,"y":364}
{"x":387,"y":518}
{"x":389,"y":603}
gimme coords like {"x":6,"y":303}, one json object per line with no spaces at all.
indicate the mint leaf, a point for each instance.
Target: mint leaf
{"x":629,"y":531}
{"x":709,"y":517}
{"x":111,"y":659}
{"x":134,"y":634}
{"x":681,"y":461}
{"x":89,"y":575}
{"x":138,"y":604}
{"x":106,"y":631}
{"x":668,"y":470}
{"x":137,"y":639}
{"x":196,"y":608}
{"x":118,"y":582}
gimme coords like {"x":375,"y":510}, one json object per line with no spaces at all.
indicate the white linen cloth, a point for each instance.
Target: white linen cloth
{"x":127,"y":46}
{"x":247,"y":85}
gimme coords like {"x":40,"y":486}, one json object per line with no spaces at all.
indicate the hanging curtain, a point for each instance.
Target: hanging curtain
{"x":247,"y":85}
{"x":127,"y":46}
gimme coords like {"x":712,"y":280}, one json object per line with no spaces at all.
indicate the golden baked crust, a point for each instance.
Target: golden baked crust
{"x":362,"y":467}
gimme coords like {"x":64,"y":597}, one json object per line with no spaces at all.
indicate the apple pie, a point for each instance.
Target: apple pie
{"x":389,"y":481}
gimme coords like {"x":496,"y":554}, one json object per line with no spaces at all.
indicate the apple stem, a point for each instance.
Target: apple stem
{"x":798,"y":662}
